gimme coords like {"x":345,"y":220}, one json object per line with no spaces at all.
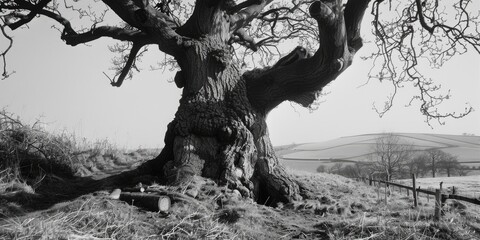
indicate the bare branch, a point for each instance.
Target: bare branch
{"x":128,"y":65}
{"x":3,"y":54}
{"x":141,"y":15}
{"x":34,"y":10}
{"x":243,"y":5}
{"x":278,"y":23}
{"x":428,"y":32}
{"x":354,"y":12}
{"x":106,"y":31}
{"x":244,"y":39}
{"x":247,"y":14}
{"x":299,"y":76}
{"x":151,"y":25}
{"x":422,"y":18}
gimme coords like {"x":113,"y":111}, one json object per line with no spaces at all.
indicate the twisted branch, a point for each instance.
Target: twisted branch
{"x":422,"y":30}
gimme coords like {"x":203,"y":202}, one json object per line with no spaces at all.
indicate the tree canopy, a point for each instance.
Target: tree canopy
{"x":409,"y":35}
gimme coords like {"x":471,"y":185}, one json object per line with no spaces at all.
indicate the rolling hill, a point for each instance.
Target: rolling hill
{"x":353,"y":149}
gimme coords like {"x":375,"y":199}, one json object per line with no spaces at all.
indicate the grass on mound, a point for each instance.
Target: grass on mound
{"x":28,"y":153}
{"x":94,"y":217}
{"x":38,"y":168}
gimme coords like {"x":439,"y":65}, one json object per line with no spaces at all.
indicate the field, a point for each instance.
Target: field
{"x":54,"y":188}
{"x":468,"y":186}
{"x":309,"y":157}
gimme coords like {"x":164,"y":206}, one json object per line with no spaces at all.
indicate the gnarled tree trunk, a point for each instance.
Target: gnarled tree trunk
{"x":217,"y":133}
{"x":219,"y":130}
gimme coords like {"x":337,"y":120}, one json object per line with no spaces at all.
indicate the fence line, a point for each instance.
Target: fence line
{"x":440,"y":198}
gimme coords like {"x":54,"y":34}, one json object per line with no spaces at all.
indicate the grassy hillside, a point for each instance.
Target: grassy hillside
{"x":357,"y":148}
{"x":53,"y":188}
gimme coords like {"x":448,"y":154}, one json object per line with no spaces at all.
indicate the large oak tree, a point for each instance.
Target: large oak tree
{"x":219,"y":130}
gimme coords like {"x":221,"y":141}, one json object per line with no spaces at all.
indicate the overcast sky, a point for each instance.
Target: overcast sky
{"x":67,"y":88}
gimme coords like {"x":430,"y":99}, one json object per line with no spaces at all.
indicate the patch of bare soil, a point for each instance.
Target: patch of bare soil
{"x":99,"y":165}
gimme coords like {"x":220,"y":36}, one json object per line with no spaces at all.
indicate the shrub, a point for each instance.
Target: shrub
{"x":28,"y":152}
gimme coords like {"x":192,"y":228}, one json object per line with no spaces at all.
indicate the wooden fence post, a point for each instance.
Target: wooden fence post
{"x":386,"y":188}
{"x":453,"y":190}
{"x":443,"y":199}
{"x":438,"y":204}
{"x":370,"y":180}
{"x":414,"y":191}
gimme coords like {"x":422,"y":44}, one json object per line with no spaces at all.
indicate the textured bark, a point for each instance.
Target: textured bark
{"x":218,"y":134}
{"x":220,"y":130}
{"x":225,"y":139}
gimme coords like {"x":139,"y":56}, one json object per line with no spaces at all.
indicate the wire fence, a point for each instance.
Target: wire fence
{"x":441,"y":195}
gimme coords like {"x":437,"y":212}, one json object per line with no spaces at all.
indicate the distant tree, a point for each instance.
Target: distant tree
{"x":350,"y":171}
{"x":321,"y":169}
{"x":336,"y":168}
{"x":353,"y":171}
{"x":463,"y":171}
{"x":449,"y":164}
{"x":364,"y":168}
{"x":390,"y":155}
{"x":433,"y":157}
{"x":227,"y":56}
{"x":417,"y":165}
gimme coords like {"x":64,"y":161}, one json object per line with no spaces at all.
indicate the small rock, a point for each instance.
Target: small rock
{"x":193,"y":192}
{"x":238,"y":172}
{"x":115,"y":194}
{"x":20,"y":187}
{"x":236,"y":194}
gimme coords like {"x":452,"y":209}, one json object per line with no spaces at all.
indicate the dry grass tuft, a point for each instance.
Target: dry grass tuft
{"x":28,"y":153}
